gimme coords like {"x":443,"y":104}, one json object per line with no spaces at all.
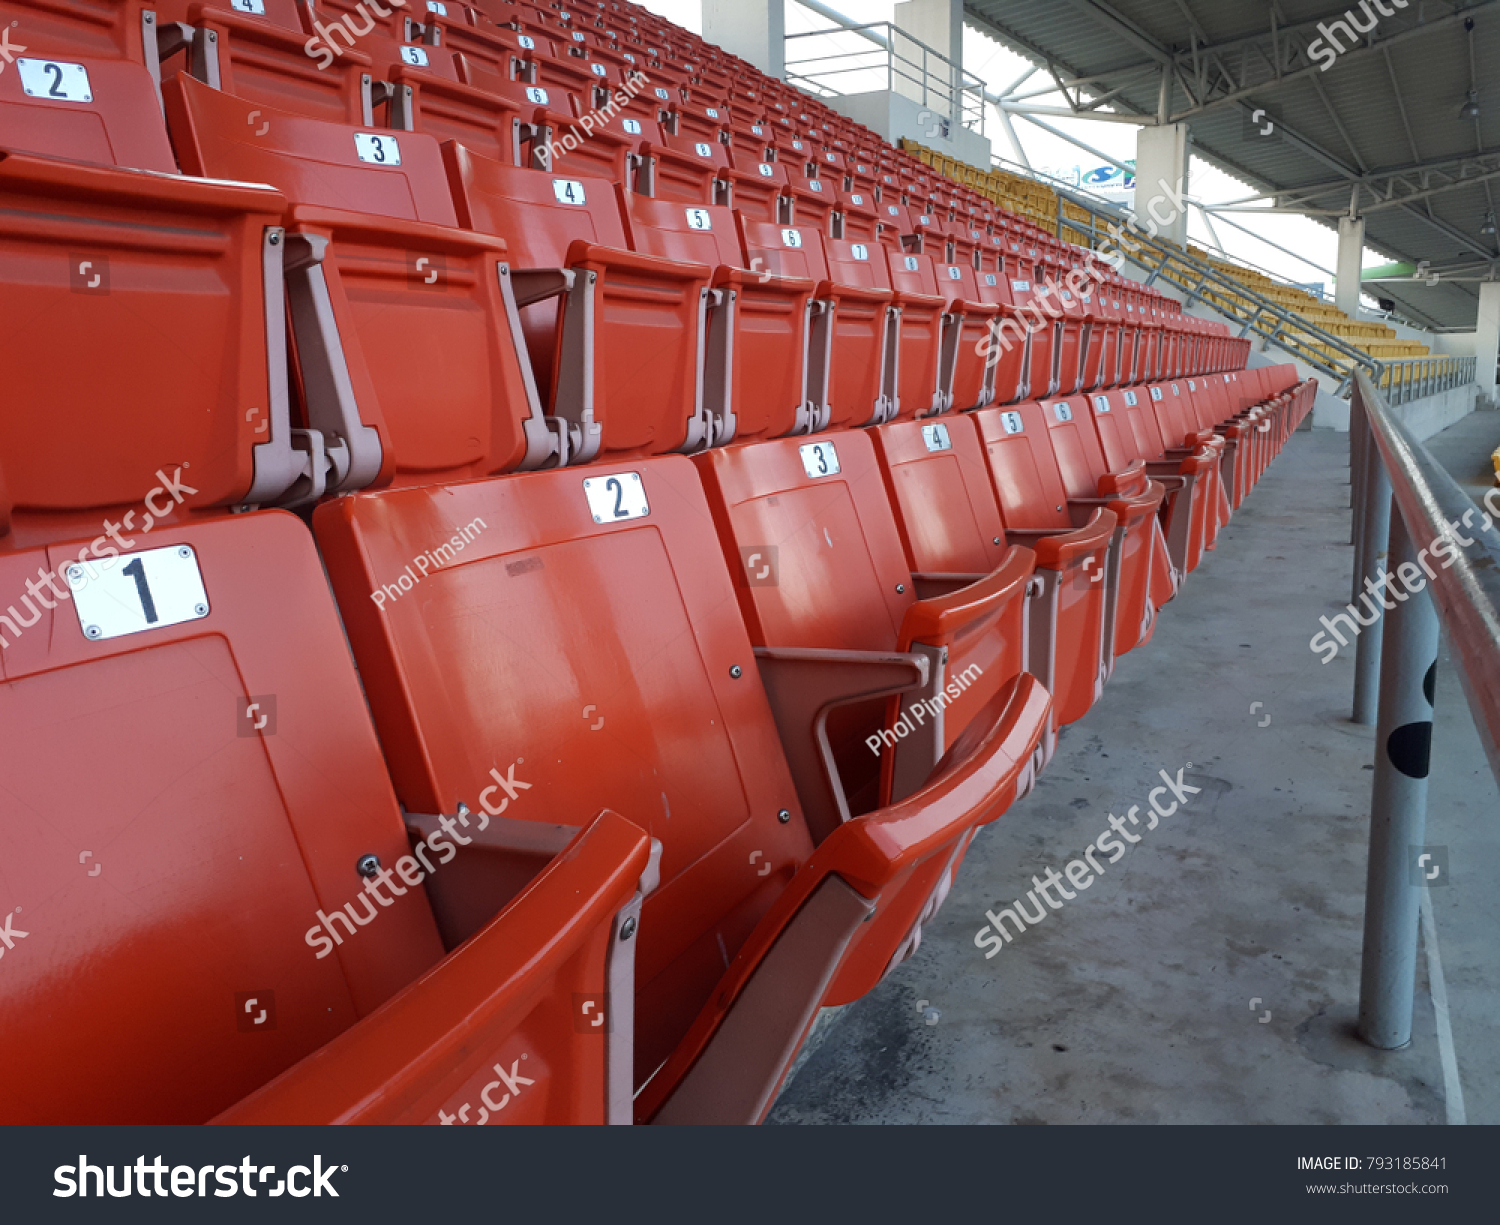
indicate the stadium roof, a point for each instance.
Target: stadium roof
{"x":1381,"y":123}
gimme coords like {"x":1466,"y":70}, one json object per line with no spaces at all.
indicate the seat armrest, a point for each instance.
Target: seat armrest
{"x":582,"y":253}
{"x":804,"y":685}
{"x":770,"y":282}
{"x":1056,"y":550}
{"x":431,"y":1045}
{"x":835,"y":292}
{"x":930,"y":586}
{"x":844,"y":920}
{"x":936,"y":622}
{"x":536,"y":284}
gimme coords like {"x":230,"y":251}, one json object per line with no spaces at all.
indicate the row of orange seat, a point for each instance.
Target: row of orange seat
{"x":648,"y":759}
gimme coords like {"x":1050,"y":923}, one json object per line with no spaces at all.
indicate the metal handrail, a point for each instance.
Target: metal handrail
{"x":944,"y":85}
{"x":1407,"y":512}
{"x":1468,"y":593}
{"x":1411,"y":378}
{"x":1274,"y":323}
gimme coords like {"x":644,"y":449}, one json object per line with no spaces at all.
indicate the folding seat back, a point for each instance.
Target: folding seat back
{"x":865,"y":341}
{"x":1074,"y":425}
{"x":854,"y":595}
{"x":84,"y":108}
{"x":862,"y":174}
{"x":504,"y":75}
{"x":261,"y":52}
{"x":1070,"y":626}
{"x":894,"y":221}
{"x":1075,"y":444}
{"x":1173,"y":416}
{"x":721,"y":947}
{"x":812,"y":201}
{"x":609,"y":147}
{"x":103,"y":30}
{"x":923,"y":378}
{"x":1116,"y":438}
{"x":378,"y":271}
{"x":758,"y":186}
{"x":1032,"y":300}
{"x":252,"y":923}
{"x":585,"y":82}
{"x":185,"y":344}
{"x":855,"y":217}
{"x":622,"y":348}
{"x":939,"y":486}
{"x":756,"y":355}
{"x":967,"y":337}
{"x":682,"y":168}
{"x":427,"y":96}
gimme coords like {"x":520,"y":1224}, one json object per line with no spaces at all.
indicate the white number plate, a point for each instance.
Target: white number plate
{"x":911,"y":263}
{"x":615,"y":498}
{"x":703,"y":150}
{"x":819,"y":459}
{"x":859,"y":251}
{"x":1101,"y":404}
{"x":1021,"y":285}
{"x":936,"y":437}
{"x":139,"y":592}
{"x":1130,"y":399}
{"x":1011,"y":422}
{"x":258,"y":7}
{"x":382,"y":150}
{"x":536,"y":96}
{"x":414,"y":56}
{"x":699,"y":219}
{"x":1063,"y":411}
{"x":527,"y":42}
{"x":55,"y":79}
{"x":632,"y":126}
{"x":438,"y":7}
{"x":955,"y":273}
{"x":766,"y":171}
{"x":568,"y":191}
{"x":791,"y":238}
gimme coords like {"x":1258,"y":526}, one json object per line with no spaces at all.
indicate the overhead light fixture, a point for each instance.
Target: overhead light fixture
{"x":1489,"y":224}
{"x":1470,"y":108}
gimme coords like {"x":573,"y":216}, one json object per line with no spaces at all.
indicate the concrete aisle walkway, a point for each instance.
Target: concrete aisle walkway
{"x":1211,"y":975}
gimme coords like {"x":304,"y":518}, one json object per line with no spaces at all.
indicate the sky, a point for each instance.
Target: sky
{"x":997,"y":66}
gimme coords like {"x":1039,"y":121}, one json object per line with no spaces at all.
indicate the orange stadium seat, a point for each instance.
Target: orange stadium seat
{"x":775,"y":499}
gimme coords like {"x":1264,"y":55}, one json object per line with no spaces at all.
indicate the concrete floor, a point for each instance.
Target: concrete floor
{"x":1142,"y":1000}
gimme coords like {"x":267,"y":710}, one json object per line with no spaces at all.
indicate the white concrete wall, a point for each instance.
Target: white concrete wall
{"x":893,"y":116}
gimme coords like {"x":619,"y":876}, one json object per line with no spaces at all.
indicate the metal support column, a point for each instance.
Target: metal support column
{"x":1371,"y":538}
{"x":1398,"y":811}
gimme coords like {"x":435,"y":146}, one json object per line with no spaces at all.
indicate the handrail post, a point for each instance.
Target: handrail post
{"x":1371,"y":544}
{"x":1398,"y":811}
